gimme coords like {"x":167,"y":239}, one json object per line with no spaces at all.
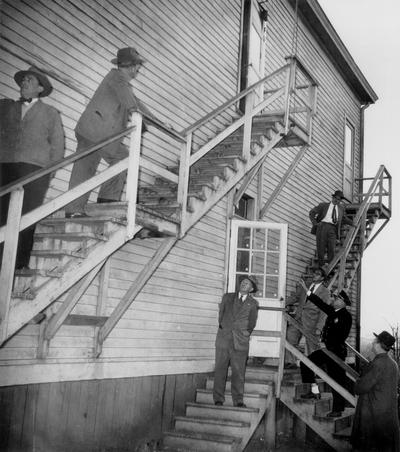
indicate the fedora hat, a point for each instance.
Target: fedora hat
{"x":253,"y":281}
{"x":338,"y":194}
{"x":386,"y":339}
{"x":128,"y":56}
{"x":343,"y":296}
{"x":42,"y":78}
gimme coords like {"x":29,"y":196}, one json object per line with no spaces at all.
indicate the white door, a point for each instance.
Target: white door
{"x":348,"y":173}
{"x":259,"y":249}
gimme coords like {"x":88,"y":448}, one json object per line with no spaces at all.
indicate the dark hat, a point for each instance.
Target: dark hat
{"x":338,"y":194}
{"x":253,"y":281}
{"x":343,"y":295}
{"x":385,"y":338}
{"x":43,"y":80}
{"x":128,"y":56}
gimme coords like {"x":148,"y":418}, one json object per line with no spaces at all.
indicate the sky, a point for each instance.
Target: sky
{"x":371,"y":32}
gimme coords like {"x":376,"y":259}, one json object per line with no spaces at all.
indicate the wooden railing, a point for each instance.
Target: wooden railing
{"x":284,"y":79}
{"x":380,"y":190}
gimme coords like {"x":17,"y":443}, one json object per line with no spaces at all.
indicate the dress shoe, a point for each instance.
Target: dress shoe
{"x":310,"y":395}
{"x":105,"y":200}
{"x":218,"y":403}
{"x":334,"y":414}
{"x":75,"y":215}
{"x":241,"y":405}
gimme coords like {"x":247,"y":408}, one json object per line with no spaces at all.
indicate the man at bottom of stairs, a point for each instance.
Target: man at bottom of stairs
{"x":237,"y":318}
{"x":334,"y":334}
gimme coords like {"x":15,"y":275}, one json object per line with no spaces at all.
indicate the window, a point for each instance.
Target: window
{"x":245,"y":207}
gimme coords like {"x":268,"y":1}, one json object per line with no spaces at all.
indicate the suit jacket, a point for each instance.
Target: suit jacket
{"x":37,"y":139}
{"x":337,"y":326}
{"x":376,"y":422}
{"x":108,"y":111}
{"x":308,"y":314}
{"x":236,"y":321}
{"x":317,"y":214}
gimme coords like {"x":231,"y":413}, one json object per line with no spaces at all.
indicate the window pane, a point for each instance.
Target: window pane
{"x":243,"y":238}
{"x":257,"y":262}
{"x":258,"y":239}
{"x":272,"y":263}
{"x":274,"y":239}
{"x":271,"y":287}
{"x":242,"y":261}
{"x":260,"y":286}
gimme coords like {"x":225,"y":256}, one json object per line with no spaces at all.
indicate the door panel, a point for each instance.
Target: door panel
{"x":259,"y":249}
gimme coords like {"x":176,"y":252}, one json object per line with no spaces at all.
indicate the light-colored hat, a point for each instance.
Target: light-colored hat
{"x":128,"y":56}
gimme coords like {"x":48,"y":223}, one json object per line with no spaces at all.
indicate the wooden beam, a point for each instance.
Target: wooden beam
{"x":85,"y":320}
{"x":332,"y":383}
{"x":9,"y":257}
{"x":134,"y":290}
{"x":246,"y":182}
{"x":283,"y":181}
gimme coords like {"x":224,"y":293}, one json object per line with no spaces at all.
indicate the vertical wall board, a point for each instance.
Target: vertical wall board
{"x":59,"y":399}
{"x":168,"y":411}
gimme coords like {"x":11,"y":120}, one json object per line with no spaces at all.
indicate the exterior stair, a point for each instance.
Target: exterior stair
{"x":334,"y":431}
{"x":206,"y":427}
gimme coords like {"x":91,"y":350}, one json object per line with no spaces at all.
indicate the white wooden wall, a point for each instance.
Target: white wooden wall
{"x":192,"y":51}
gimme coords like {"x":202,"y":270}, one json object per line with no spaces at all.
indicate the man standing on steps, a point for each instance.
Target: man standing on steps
{"x":376,"y":423}
{"x":334,"y":334}
{"x":310,"y":316}
{"x":326,"y":219}
{"x":237,"y":318}
{"x":107,"y":113}
{"x":31,"y":137}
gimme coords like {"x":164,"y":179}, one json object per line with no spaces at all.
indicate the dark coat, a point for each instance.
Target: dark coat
{"x":236,"y":321}
{"x":37,"y":139}
{"x":337,"y":326}
{"x":317,"y":214}
{"x":376,"y":422}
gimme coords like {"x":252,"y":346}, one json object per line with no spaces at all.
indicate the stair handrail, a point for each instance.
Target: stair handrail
{"x":367,"y":201}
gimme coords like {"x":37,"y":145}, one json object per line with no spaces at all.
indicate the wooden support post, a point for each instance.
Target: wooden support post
{"x":54,"y":324}
{"x":133,"y":173}
{"x":248,"y":125}
{"x":270,"y":423}
{"x":133,"y":291}
{"x":9,"y":257}
{"x":101,"y":301}
{"x":281,"y":353}
{"x":183,"y":185}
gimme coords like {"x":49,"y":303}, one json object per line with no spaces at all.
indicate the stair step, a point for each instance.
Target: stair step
{"x":70,"y":236}
{"x":205,"y":396}
{"x":220,"y":412}
{"x":213,"y":426}
{"x":251,"y":386}
{"x":205,"y":442}
{"x":58,"y":254}
{"x":343,"y":434}
{"x":339,"y":423}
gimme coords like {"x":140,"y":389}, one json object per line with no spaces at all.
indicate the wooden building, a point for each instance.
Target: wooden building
{"x":112,"y":330}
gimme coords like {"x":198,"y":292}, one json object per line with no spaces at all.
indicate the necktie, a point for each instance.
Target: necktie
{"x":334,"y":215}
{"x":312,"y":288}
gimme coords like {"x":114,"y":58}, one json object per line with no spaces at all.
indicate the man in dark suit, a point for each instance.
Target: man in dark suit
{"x":334,"y":334}
{"x":326,"y":219}
{"x":106,"y":114}
{"x":31,"y":137}
{"x":237,"y":318}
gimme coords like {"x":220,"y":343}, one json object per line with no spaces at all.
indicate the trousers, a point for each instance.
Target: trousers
{"x":86,"y":167}
{"x":326,"y":241}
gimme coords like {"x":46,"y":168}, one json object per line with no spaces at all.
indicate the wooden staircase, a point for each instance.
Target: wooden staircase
{"x":206,"y":427}
{"x":334,"y":431}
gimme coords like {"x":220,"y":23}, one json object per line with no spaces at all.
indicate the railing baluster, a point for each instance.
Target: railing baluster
{"x":183,"y":185}
{"x":133,"y":173}
{"x":9,"y":257}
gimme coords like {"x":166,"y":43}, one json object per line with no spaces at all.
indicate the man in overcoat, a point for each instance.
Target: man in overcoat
{"x":326,"y":219}
{"x":237,"y":318}
{"x":106,"y":114}
{"x":31,"y":137}
{"x":309,"y":315}
{"x":376,"y":423}
{"x":334,"y":334}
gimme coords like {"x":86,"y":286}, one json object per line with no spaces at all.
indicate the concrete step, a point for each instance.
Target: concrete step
{"x":236,"y":429}
{"x":231,"y":413}
{"x":202,"y":442}
{"x":251,"y":400}
{"x":250,"y":386}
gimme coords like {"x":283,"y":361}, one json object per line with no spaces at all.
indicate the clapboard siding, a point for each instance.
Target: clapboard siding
{"x":192,"y":65}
